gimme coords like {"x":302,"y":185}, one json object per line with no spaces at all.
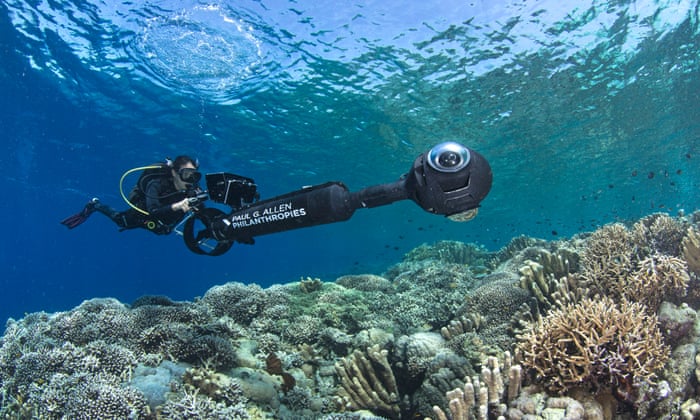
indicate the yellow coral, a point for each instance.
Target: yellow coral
{"x":597,"y":343}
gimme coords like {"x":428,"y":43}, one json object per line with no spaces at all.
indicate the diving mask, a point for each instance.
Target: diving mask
{"x":189,"y":175}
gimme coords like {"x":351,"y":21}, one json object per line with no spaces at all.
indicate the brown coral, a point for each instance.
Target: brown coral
{"x":368,"y":382}
{"x":607,"y":260}
{"x":658,"y":233}
{"x":658,"y":276}
{"x":596,"y":343}
{"x":486,"y":397}
{"x":549,"y":285}
{"x":691,"y":250}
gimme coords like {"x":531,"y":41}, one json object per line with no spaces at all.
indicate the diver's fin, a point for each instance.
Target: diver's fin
{"x":77,"y":219}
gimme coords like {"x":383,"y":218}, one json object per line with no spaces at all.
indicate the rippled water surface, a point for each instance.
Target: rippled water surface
{"x":587,"y":110}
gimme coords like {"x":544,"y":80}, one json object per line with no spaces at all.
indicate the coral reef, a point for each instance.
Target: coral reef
{"x":602,"y":325}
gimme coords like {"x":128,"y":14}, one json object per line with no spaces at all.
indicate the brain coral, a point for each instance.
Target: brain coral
{"x":595,"y":343}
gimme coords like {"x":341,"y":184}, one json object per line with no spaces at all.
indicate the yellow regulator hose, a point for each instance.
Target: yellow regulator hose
{"x":121,"y":185}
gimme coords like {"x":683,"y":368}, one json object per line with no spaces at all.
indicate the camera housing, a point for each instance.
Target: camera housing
{"x":450,"y":180}
{"x":232,"y":190}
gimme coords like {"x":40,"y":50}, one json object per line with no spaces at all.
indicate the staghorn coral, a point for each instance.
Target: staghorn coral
{"x":658,"y":233}
{"x":658,"y":277}
{"x":614,"y":264}
{"x":607,"y":261}
{"x":596,"y":343}
{"x":368,"y":382}
{"x":49,"y":352}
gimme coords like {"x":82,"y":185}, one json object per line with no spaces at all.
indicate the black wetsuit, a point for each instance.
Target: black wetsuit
{"x":159,"y":195}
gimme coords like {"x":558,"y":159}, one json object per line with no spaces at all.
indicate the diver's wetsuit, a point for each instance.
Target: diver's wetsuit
{"x":160,"y":194}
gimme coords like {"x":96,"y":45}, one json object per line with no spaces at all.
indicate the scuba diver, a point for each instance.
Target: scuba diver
{"x":162,"y":197}
{"x":450,"y":179}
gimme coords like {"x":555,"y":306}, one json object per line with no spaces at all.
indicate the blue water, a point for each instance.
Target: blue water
{"x":587,"y":110}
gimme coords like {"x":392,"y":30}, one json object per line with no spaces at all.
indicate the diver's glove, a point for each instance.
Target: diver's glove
{"x":78,"y":218}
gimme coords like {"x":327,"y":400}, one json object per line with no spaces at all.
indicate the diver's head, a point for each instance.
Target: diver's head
{"x":184,"y":171}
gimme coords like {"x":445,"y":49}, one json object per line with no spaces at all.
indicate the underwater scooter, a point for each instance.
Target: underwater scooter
{"x":449,"y":179}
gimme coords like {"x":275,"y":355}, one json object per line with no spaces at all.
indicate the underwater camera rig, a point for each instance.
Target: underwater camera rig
{"x":449,"y":179}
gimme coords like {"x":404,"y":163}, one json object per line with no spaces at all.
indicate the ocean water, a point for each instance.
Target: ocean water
{"x":588,"y":112}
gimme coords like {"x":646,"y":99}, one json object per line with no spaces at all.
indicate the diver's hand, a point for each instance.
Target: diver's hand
{"x":183,"y":206}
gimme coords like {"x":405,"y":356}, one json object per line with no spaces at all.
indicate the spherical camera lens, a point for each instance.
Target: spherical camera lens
{"x":448,"y":157}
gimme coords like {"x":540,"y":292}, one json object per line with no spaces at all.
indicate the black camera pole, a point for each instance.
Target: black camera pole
{"x":449,"y":179}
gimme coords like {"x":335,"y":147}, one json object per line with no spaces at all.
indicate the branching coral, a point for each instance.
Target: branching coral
{"x":628,"y":265}
{"x":194,"y":406}
{"x":595,"y":343}
{"x":658,"y":233}
{"x":658,"y":276}
{"x":607,"y":260}
{"x":217,"y":386}
{"x":368,"y":382}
